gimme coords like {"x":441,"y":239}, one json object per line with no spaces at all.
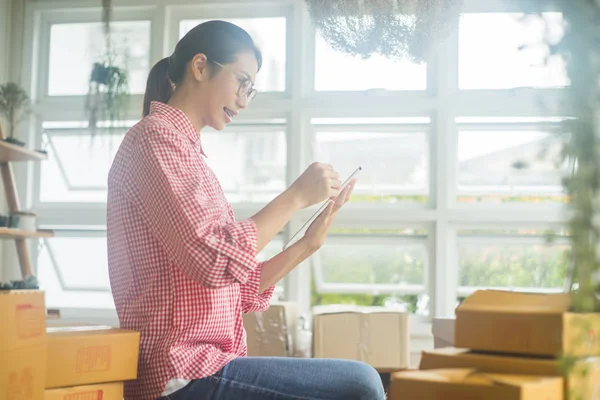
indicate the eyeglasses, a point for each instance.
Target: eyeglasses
{"x":246,"y":87}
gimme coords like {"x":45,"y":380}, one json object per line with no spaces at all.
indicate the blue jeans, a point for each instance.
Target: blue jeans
{"x":278,"y":378}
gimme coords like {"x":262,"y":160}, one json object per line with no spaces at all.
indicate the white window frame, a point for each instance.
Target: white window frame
{"x":299,"y":104}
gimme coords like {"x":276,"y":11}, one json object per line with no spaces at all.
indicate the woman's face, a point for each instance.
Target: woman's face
{"x":220,"y":98}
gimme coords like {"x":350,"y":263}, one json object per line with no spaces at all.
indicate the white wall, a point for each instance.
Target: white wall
{"x":4,"y":49}
{"x":11,"y":44}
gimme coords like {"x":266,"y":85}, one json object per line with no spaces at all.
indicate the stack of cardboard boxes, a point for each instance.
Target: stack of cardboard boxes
{"x":509,"y":346}
{"x":376,"y":335}
{"x":62,"y":362}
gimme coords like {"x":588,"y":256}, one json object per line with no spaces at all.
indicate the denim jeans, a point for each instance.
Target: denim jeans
{"x":278,"y":378}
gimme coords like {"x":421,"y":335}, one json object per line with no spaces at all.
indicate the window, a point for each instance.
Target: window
{"x":269,"y":34}
{"x":394,"y":157}
{"x":491,"y":57}
{"x":78,"y":164}
{"x":512,"y":260}
{"x":270,"y":251}
{"x":75,"y":47}
{"x":372,"y":267}
{"x":337,"y":71}
{"x":72,"y":270}
{"x":501,"y":165}
{"x":445,"y":147}
{"x":249,"y":161}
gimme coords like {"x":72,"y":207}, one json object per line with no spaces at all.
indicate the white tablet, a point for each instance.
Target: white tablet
{"x":297,"y":235}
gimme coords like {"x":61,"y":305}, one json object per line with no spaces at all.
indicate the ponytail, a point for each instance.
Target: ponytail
{"x":158,"y":86}
{"x":220,"y":41}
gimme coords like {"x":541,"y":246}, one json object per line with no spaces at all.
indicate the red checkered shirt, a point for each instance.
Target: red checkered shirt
{"x":182,"y":270}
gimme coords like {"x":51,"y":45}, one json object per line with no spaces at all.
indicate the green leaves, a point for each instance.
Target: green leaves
{"x":27,"y":284}
{"x":14,"y":105}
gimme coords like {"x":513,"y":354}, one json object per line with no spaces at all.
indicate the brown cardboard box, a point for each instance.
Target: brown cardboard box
{"x":524,"y":323}
{"x":443,"y":332}
{"x":22,"y":345}
{"x":82,"y":355}
{"x":467,"y":384}
{"x":269,"y":333}
{"x":375,"y":335}
{"x":579,"y":385}
{"x":106,"y":391}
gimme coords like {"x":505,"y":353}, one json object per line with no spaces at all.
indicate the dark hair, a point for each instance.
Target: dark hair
{"x":220,"y":41}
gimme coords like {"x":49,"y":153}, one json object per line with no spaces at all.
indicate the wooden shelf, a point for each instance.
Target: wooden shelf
{"x":11,"y":152}
{"x":11,"y":233}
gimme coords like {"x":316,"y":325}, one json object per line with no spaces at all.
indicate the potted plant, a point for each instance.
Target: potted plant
{"x":393,"y":28}
{"x":107,"y":94}
{"x":29,"y":283}
{"x":14,"y":106}
{"x":108,"y":88}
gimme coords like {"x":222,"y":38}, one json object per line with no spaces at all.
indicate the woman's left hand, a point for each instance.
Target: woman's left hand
{"x":317,"y":231}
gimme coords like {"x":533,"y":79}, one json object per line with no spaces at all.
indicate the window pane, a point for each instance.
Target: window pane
{"x":370,"y":272}
{"x":374,"y":264}
{"x":510,"y":166}
{"x":77,"y":165}
{"x":395,"y":165}
{"x":74,"y":272}
{"x":75,"y":47}
{"x":270,"y":251}
{"x":269,"y":34}
{"x":250,"y":165}
{"x":337,"y":71}
{"x":512,"y":264}
{"x":491,"y":54}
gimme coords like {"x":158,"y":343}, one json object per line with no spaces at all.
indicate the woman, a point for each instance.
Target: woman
{"x":182,"y":270}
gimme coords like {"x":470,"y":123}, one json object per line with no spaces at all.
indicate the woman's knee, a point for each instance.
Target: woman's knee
{"x":363,"y":382}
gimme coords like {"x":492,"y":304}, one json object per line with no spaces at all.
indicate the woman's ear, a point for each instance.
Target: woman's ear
{"x":199,"y":66}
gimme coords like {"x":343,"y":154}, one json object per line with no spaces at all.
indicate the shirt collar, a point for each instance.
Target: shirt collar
{"x":179,"y":120}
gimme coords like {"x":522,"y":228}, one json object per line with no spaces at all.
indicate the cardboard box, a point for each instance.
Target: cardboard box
{"x":524,"y":323}
{"x":23,"y":344}
{"x":106,"y":391}
{"x":270,"y":333}
{"x":82,"y":355}
{"x":468,"y":384}
{"x":25,"y":312}
{"x":374,"y":335}
{"x":584,"y":381}
{"x":443,"y":332}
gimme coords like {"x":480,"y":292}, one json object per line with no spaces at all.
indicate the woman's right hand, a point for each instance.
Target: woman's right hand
{"x":318,"y":183}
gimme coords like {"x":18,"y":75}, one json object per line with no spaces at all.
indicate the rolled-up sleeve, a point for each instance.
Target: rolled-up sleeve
{"x":168,"y":180}
{"x":252,"y":300}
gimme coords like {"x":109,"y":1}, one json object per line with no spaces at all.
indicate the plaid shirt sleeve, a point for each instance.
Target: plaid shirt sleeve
{"x":173,"y":193}
{"x":252,"y":300}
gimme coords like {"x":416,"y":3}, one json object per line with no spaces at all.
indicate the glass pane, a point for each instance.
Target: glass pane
{"x":269,"y":34}
{"x":510,"y":166}
{"x":512,"y":265}
{"x":372,"y":264}
{"x":491,"y":54}
{"x":74,"y":272}
{"x":77,"y":165}
{"x":251,"y":166}
{"x":372,"y":274}
{"x":270,"y":251}
{"x":75,"y":47}
{"x":395,"y":165}
{"x":337,"y":71}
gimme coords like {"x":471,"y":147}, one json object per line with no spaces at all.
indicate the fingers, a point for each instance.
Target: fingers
{"x":344,"y":196}
{"x":335,"y":183}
